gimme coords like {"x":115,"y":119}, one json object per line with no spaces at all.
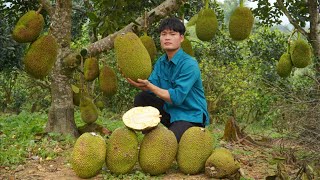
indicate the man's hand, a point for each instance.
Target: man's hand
{"x":140,"y":83}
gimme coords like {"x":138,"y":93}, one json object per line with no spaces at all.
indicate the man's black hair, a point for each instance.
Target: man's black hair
{"x":172,"y":23}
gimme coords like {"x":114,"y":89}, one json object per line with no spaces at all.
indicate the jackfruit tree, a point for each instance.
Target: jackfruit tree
{"x":57,"y":15}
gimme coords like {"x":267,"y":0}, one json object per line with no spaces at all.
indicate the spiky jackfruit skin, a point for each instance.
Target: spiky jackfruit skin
{"x":284,"y":65}
{"x":132,"y":57}
{"x":187,"y":47}
{"x":122,"y":151}
{"x":41,"y":56}
{"x":301,"y":54}
{"x":91,"y":69}
{"x":240,"y":24}
{"x":88,"y":155}
{"x":158,"y":150}
{"x":149,"y":44}
{"x":88,"y":110}
{"x":206,"y":25}
{"x":108,"y":82}
{"x":221,"y":164}
{"x":195,"y":146}
{"x":28,"y":27}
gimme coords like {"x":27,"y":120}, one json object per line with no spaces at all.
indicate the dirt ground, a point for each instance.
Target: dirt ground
{"x":256,"y":163}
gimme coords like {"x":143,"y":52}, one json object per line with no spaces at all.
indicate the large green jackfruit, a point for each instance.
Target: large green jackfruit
{"x":88,"y":110}
{"x":221,"y":164}
{"x":88,"y":155}
{"x":108,"y":82}
{"x":132,"y":57}
{"x":187,"y":47}
{"x":148,"y":42}
{"x":41,"y":56}
{"x":206,"y":25}
{"x":28,"y":27}
{"x":240,"y":24}
{"x":195,"y":146}
{"x":284,"y":65}
{"x":301,"y":54}
{"x":157,"y":151}
{"x":122,"y":151}
{"x":91,"y":69}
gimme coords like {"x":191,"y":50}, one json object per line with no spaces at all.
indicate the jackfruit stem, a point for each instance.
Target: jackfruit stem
{"x":289,"y":39}
{"x":40,"y":8}
{"x":207,"y":4}
{"x":145,"y":27}
{"x":241,"y":3}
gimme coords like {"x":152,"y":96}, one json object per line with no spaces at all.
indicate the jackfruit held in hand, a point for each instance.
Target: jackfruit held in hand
{"x":141,"y":118}
{"x":240,"y":24}
{"x":122,"y":151}
{"x":149,"y":44}
{"x":132,"y":57}
{"x":91,"y":69}
{"x":88,"y":110}
{"x":88,"y":155}
{"x":284,"y":65}
{"x":28,"y":27}
{"x":301,"y":54}
{"x":187,"y":47}
{"x":108,"y":82}
{"x":41,"y":56}
{"x":206,"y":25}
{"x":158,"y":150}
{"x":221,"y":164}
{"x":195,"y":146}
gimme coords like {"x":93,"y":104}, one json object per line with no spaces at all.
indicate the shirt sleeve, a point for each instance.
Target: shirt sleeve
{"x":183,"y":84}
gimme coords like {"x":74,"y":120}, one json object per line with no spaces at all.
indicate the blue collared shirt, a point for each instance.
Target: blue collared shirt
{"x":182,"y":78}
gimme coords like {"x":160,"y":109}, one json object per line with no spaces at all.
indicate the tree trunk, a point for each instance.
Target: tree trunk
{"x":314,"y":36}
{"x":61,"y":113}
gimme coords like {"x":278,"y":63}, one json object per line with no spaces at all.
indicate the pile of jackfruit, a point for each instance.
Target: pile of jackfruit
{"x":155,"y":154}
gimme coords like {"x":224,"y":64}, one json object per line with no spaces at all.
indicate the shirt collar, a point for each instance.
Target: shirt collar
{"x":176,"y":57}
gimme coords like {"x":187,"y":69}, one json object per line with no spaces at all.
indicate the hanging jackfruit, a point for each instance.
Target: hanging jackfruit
{"x":91,"y":69}
{"x":301,"y":54}
{"x":149,"y":44}
{"x":132,"y":57}
{"x":108,"y":82}
{"x":284,"y":65}
{"x":240,"y":24}
{"x":28,"y":27}
{"x":41,"y":56}
{"x":187,"y":47}
{"x":88,"y":110}
{"x":206,"y":25}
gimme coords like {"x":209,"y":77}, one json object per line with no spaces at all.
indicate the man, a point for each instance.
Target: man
{"x":174,"y":86}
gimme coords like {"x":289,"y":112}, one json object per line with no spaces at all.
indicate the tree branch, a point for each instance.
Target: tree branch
{"x":159,"y":12}
{"x":291,"y":20}
{"x":47,"y":6}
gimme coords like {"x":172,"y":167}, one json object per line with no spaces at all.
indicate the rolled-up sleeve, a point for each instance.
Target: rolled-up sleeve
{"x":183,"y":84}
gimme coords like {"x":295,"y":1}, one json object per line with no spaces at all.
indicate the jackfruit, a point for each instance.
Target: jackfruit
{"x":240,"y":24}
{"x":91,"y":69}
{"x":141,"y":118}
{"x":100,"y":104}
{"x":122,"y":150}
{"x":28,"y":27}
{"x":88,"y":155}
{"x":41,"y":56}
{"x":206,"y":25}
{"x":133,"y":58}
{"x":149,"y":44}
{"x":72,"y":60}
{"x":193,"y":20}
{"x":284,"y":65}
{"x":301,"y":54}
{"x":108,"y":82}
{"x":187,"y":47}
{"x":88,"y":110}
{"x":158,"y":150}
{"x":195,"y":146}
{"x":221,"y":164}
{"x":76,"y":94}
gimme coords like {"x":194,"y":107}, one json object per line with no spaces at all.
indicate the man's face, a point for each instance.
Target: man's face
{"x":170,"y":40}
